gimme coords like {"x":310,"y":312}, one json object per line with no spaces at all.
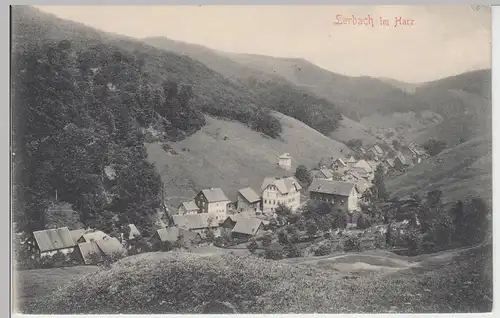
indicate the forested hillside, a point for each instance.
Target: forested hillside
{"x":80,"y":99}
{"x":271,"y":90}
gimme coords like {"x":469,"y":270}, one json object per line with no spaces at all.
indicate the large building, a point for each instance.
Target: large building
{"x":276,"y":191}
{"x":342,"y":195}
{"x":214,"y":202}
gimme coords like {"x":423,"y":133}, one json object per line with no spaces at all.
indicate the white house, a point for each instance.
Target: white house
{"x":285,"y":161}
{"x":275,"y":191}
{"x":214,"y":202}
{"x":198,"y":223}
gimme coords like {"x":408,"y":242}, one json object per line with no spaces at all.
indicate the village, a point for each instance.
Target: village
{"x":211,"y":214}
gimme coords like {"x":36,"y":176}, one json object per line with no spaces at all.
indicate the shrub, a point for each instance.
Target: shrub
{"x":363,"y":221}
{"x":413,"y":241}
{"x":327,"y":235}
{"x":283,"y":238}
{"x":322,"y":250}
{"x":352,"y":243}
{"x":252,"y":247}
{"x":293,"y":251}
{"x":275,"y":252}
{"x":266,"y":240}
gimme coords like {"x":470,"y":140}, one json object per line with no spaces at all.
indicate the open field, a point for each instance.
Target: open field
{"x":242,"y":159}
{"x":31,"y":284}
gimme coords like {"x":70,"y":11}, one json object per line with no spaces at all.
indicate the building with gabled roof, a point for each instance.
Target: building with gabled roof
{"x":93,"y":236}
{"x":285,"y":161}
{"x":76,"y":234}
{"x":133,"y":232}
{"x":247,"y":227}
{"x":172,"y":234}
{"x":199,"y":223}
{"x":213,"y":201}
{"x":188,"y":207}
{"x":248,"y":201}
{"x":48,"y":242}
{"x":321,"y":173}
{"x":276,"y":191}
{"x":92,"y":252}
{"x":342,"y":195}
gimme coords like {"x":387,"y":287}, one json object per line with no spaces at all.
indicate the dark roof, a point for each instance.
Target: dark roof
{"x":215,"y":195}
{"x":331,"y":187}
{"x":249,"y":194}
{"x":248,"y":226}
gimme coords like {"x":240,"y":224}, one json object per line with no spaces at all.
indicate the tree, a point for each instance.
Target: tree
{"x":389,"y":235}
{"x":434,"y":147}
{"x":293,"y":251}
{"x":283,"y":238}
{"x":252,"y":246}
{"x":266,"y":240}
{"x":396,"y":144}
{"x":352,"y":243}
{"x":477,"y":226}
{"x":379,"y":184}
{"x":303,"y":175}
{"x":274,"y":251}
{"x":311,"y":228}
{"x":355,"y":144}
{"x":363,"y":222}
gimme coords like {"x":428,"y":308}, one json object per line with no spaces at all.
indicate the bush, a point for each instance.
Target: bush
{"x":275,"y":252}
{"x":352,"y":243}
{"x":252,"y":247}
{"x":323,"y":250}
{"x":266,"y":240}
{"x":283,"y":238}
{"x":413,"y":241}
{"x":363,"y":221}
{"x":293,"y":251}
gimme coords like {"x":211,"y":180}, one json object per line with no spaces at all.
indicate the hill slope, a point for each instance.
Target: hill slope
{"x":244,"y":159}
{"x":271,"y":90}
{"x":460,"y":172}
{"x":160,"y":283}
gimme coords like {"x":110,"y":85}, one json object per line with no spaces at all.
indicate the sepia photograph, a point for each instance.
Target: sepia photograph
{"x":251,"y":159}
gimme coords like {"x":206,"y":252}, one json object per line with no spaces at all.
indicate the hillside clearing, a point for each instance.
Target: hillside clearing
{"x":461,"y":172}
{"x":243,"y":159}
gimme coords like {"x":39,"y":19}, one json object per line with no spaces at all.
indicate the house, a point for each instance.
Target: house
{"x":363,"y":169}
{"x":76,"y":234}
{"x":351,"y":161}
{"x":321,"y":173}
{"x":389,"y":163}
{"x":48,"y":242}
{"x":400,"y":162}
{"x":339,"y":165}
{"x":93,"y":236}
{"x":133,"y":232}
{"x":276,"y":191}
{"x":248,"y":201}
{"x":285,"y":161}
{"x":247,"y":227}
{"x":231,"y":220}
{"x":172,"y":234}
{"x":198,"y":223}
{"x":92,"y":252}
{"x":188,"y":207}
{"x":342,"y":195}
{"x":214,"y":202}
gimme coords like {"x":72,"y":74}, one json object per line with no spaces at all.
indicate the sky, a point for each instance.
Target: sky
{"x":441,"y":41}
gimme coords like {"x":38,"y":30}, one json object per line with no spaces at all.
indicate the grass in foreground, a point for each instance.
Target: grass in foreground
{"x":156,"y":283}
